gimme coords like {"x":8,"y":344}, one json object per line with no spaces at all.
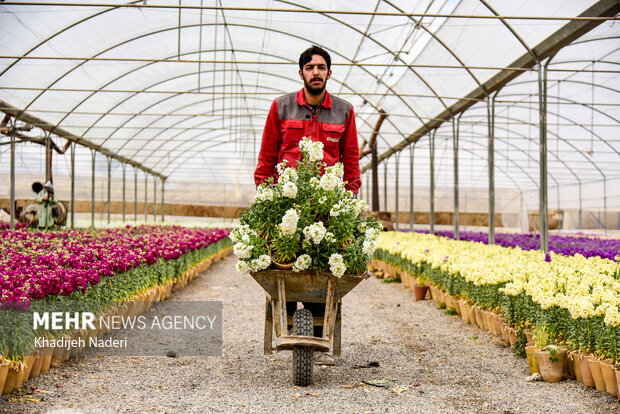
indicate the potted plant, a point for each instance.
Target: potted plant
{"x":4,"y":370}
{"x":306,"y":221}
{"x":551,"y":363}
{"x":609,"y":376}
{"x":597,"y":374}
{"x":419,"y":288}
{"x":549,"y":356}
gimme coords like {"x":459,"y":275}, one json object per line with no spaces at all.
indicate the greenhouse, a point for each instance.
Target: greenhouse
{"x":465,"y":153}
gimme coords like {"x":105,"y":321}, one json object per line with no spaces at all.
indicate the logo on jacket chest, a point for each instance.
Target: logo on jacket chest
{"x":332,"y":139}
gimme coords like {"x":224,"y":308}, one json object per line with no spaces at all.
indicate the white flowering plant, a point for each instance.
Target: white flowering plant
{"x":307,"y":220}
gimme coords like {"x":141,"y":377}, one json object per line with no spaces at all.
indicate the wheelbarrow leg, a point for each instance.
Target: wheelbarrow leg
{"x":337,"y":331}
{"x":280,"y":307}
{"x":268,"y":349}
{"x":330,"y":309}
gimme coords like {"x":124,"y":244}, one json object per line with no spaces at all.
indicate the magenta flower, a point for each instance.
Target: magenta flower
{"x":35,"y":264}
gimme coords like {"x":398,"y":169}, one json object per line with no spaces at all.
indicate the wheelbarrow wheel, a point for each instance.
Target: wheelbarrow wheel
{"x":303,"y":356}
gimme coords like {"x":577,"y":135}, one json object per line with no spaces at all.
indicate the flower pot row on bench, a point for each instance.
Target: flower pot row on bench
{"x":551,"y":362}
{"x":587,"y":369}
{"x":14,"y":374}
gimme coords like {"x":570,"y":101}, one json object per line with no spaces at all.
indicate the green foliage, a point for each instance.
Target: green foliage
{"x":391,"y":280}
{"x":553,"y":353}
{"x":519,"y":346}
{"x":284,"y":248}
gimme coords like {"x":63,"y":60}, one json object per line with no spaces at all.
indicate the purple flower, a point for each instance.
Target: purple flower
{"x":566,"y":245}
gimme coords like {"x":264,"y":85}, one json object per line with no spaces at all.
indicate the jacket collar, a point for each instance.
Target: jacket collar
{"x":301,"y":99}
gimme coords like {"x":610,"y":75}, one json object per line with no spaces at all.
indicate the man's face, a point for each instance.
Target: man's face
{"x":315,"y":75}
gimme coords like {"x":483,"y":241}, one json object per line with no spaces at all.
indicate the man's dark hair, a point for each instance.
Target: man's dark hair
{"x":306,"y":56}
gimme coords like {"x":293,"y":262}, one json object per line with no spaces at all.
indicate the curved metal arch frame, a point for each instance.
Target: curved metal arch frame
{"x":482,"y":157}
{"x":566,"y":81}
{"x":527,"y":154}
{"x":353,"y":90}
{"x":177,"y":94}
{"x":387,"y":49}
{"x":66,"y":28}
{"x":184,"y":119}
{"x":116,"y":79}
{"x":385,"y":156}
{"x":604,"y":141}
{"x":552,"y":133}
{"x":441,"y":42}
{"x":514,"y":105}
{"x":239,"y":25}
{"x":562,"y":62}
{"x":178,"y":134}
{"x":173,"y":95}
{"x":511,"y":30}
{"x":498,"y":167}
{"x":170,"y":97}
{"x":194,"y":149}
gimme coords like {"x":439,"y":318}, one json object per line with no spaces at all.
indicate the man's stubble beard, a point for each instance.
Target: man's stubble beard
{"x":314,"y":91}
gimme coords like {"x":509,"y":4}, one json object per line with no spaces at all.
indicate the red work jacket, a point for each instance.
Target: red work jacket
{"x":290,"y":119}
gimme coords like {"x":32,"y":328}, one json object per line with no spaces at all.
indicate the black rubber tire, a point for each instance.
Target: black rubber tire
{"x":303,"y":356}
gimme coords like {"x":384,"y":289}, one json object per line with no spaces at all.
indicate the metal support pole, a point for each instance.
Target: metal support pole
{"x":605,"y":202}
{"x":163,"y":204}
{"x":385,"y":188}
{"x":124,"y":185}
{"x":372,"y":143}
{"x":48,"y":171}
{"x":396,"y":196}
{"x":455,"y":149}
{"x":12,"y":196}
{"x":146,"y":199}
{"x":523,"y":217}
{"x":92,"y":189}
{"x":109,"y":186}
{"x":411,"y":206}
{"x":580,"y":208}
{"x":154,"y":199}
{"x":491,"y":159}
{"x":73,"y":185}
{"x":543,"y":195}
{"x":367,"y":198}
{"x":135,"y":194}
{"x":432,"y":190}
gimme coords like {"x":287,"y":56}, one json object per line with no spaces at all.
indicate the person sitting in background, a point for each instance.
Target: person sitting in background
{"x":46,"y":201}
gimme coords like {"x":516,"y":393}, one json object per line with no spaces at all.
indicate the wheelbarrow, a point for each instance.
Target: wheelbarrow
{"x":284,"y":286}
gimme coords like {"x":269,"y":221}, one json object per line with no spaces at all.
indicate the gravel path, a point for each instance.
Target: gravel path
{"x":429,"y":362}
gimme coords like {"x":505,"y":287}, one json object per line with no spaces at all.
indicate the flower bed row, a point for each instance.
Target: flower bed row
{"x":551,"y":362}
{"x":157,"y":263}
{"x":566,"y":245}
{"x":570,"y":301}
{"x":34,"y":265}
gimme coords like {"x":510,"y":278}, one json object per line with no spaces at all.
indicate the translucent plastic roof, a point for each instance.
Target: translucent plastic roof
{"x":184,"y":91}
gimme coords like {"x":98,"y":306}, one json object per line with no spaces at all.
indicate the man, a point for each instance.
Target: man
{"x":311,"y":112}
{"x":46,"y":201}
